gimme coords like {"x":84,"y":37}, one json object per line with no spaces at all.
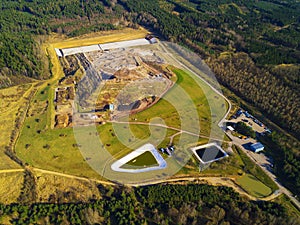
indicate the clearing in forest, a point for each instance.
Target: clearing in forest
{"x":137,"y":82}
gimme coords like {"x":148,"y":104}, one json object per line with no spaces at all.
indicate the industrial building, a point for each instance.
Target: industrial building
{"x":257,"y":147}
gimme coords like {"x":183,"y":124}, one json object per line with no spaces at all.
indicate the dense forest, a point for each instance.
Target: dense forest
{"x":244,"y":129}
{"x":285,"y":152}
{"x":158,"y":204}
{"x":259,"y":87}
{"x":23,"y":23}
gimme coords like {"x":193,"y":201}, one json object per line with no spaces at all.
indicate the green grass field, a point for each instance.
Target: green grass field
{"x":253,"y":186}
{"x":145,"y":159}
{"x":176,"y":110}
{"x":56,"y":149}
{"x":255,"y":170}
{"x":47,"y":148}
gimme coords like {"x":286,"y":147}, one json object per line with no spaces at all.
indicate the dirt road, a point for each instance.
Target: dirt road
{"x":168,"y":127}
{"x":216,"y":181}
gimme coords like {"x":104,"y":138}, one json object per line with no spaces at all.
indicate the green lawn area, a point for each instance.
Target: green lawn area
{"x":56,"y":149}
{"x":43,"y":94}
{"x":51,"y":149}
{"x":177,"y":109}
{"x":121,"y":139}
{"x":145,"y":159}
{"x":255,"y":170}
{"x":253,"y":186}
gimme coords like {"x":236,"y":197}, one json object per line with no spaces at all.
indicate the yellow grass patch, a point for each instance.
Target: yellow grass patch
{"x":285,"y":65}
{"x":55,"y":188}
{"x":11,"y":99}
{"x":98,"y":37}
{"x":10,"y":187}
{"x":225,"y":7}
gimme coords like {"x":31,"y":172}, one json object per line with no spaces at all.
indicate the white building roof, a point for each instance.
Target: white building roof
{"x":58,"y":52}
{"x":124,"y":44}
{"x":257,"y":147}
{"x":101,"y":47}
{"x":83,"y":49}
{"x":230,"y":128}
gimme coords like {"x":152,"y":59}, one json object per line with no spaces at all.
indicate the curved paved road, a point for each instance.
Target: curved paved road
{"x":207,"y":83}
{"x":168,"y":127}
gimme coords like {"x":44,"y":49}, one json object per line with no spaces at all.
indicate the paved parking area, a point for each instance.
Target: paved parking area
{"x":259,"y":158}
{"x":249,"y":122}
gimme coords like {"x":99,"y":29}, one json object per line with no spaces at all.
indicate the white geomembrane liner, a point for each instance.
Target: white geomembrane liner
{"x":125,"y":44}
{"x":72,"y":51}
{"x":116,"y":166}
{"x":209,"y":155}
{"x":101,"y":47}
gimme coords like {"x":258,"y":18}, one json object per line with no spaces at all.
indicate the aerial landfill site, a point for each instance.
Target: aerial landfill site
{"x":109,"y":82}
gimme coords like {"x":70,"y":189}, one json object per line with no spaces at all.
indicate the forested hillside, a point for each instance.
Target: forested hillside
{"x":159,"y":204}
{"x":281,"y":102}
{"x":23,"y":22}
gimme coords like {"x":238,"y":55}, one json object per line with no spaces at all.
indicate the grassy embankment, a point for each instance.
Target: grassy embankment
{"x":166,"y":109}
{"x":253,"y":186}
{"x":145,"y":159}
{"x":249,"y":183}
{"x":12,"y":101}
